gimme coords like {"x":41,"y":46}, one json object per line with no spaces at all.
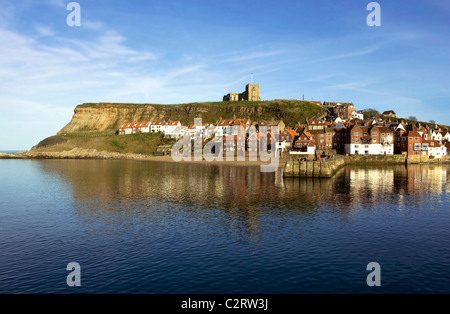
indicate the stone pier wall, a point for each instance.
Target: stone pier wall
{"x":328,"y":167}
{"x":313,"y":169}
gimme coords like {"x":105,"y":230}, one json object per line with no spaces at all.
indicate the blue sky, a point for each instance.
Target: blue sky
{"x":184,"y":51}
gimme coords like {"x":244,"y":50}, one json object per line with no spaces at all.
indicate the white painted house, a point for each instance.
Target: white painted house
{"x":145,"y":126}
{"x":129,"y":128}
{"x":436,"y":135}
{"x":436,"y":149}
{"x":357,"y":115}
{"x":157,"y":126}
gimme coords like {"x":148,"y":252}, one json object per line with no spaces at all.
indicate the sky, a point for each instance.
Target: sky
{"x":182,"y":51}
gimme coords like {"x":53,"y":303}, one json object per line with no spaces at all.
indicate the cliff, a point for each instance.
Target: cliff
{"x":109,"y":116}
{"x":91,"y":132}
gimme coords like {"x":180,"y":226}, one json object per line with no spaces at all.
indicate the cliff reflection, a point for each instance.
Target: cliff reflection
{"x":241,"y":196}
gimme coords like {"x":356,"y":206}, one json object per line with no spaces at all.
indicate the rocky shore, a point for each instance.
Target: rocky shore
{"x":81,"y":153}
{"x":77,"y":153}
{"x":9,"y":156}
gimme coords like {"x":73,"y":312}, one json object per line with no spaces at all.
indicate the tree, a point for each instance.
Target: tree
{"x":432,"y":122}
{"x":370,"y":113}
{"x":413,"y":118}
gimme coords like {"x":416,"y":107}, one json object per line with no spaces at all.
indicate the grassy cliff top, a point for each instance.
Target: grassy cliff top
{"x":290,"y":111}
{"x":208,"y":104}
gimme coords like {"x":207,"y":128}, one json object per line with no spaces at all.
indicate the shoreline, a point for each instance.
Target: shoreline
{"x":79,"y":153}
{"x":96,"y":155}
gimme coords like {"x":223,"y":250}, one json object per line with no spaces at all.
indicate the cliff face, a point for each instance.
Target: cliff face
{"x":107,"y":117}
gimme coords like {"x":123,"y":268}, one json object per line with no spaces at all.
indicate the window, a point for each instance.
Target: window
{"x":416,"y":138}
{"x":356,"y":140}
{"x":382,"y":134}
{"x":356,"y":134}
{"x":375,"y":134}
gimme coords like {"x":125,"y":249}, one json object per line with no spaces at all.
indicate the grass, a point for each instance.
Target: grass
{"x":88,"y":134}
{"x":290,"y":111}
{"x":145,"y":144}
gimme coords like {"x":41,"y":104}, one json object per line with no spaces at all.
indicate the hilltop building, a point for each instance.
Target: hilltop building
{"x":251,"y":93}
{"x":390,"y":114}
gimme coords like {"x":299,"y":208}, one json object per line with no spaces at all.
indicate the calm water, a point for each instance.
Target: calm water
{"x":143,"y":227}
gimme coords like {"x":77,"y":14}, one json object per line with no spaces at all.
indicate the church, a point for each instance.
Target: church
{"x":251,"y":94}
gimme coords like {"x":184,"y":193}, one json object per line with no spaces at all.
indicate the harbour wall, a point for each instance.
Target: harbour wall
{"x":326,"y":168}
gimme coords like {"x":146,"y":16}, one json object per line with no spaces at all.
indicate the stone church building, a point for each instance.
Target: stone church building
{"x":251,"y":94}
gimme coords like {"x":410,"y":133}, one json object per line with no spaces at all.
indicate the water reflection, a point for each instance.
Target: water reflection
{"x":241,"y":196}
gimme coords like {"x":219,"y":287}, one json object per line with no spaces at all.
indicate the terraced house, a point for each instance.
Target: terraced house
{"x":370,"y":140}
{"x":288,"y":136}
{"x":323,"y":139}
{"x":305,"y":143}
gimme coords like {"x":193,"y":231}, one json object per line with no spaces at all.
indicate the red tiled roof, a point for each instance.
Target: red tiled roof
{"x":291,"y":132}
{"x":226,"y":122}
{"x":414,"y":134}
{"x":384,"y":129}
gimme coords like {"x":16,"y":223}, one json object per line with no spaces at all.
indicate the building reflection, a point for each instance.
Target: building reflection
{"x":243,"y":196}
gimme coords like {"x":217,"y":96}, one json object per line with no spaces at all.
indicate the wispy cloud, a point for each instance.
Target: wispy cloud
{"x":92,"y":25}
{"x":56,"y":3}
{"x":251,"y":56}
{"x":351,"y":54}
{"x":6,"y":13}
{"x":44,"y":30}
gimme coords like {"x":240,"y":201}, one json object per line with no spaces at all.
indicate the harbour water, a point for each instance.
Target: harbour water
{"x":149,"y":227}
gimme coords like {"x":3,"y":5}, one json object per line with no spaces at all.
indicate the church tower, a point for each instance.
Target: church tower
{"x":251,"y":92}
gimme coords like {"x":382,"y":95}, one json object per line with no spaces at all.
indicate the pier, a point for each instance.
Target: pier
{"x":327,"y":167}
